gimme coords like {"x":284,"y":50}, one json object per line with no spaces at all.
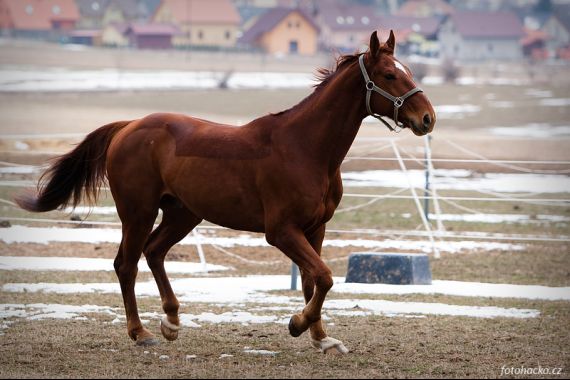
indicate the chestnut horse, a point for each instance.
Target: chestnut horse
{"x":279,"y":174}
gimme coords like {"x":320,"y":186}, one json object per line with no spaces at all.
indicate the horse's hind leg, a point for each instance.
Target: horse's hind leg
{"x":177,"y":222}
{"x":136,"y":228}
{"x":316,"y":240}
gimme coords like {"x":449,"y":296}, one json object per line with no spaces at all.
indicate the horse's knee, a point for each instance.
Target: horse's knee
{"x":117,"y":264}
{"x":324,"y":279}
{"x":153,"y":260}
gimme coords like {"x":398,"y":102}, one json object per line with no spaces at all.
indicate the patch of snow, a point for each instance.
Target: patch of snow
{"x":450,"y":180}
{"x":499,"y":218}
{"x":88,"y":264}
{"x":42,"y":235}
{"x":391,"y":308}
{"x":537,"y":93}
{"x":19,"y":169}
{"x":534,"y":130}
{"x":100,"y":210}
{"x":54,"y":80}
{"x":228,"y":317}
{"x":252,"y":289}
{"x":555,"y":102}
{"x":459,"y":288}
{"x":261,"y":352}
{"x":456,"y":111}
{"x":20,"y":145}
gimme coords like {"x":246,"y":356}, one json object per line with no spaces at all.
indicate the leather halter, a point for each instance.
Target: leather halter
{"x":397,"y":100}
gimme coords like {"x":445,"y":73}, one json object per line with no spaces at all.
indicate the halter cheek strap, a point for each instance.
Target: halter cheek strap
{"x":397,"y":100}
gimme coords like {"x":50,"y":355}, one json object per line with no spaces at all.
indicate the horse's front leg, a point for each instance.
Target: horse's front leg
{"x":319,"y":337}
{"x":293,"y":242}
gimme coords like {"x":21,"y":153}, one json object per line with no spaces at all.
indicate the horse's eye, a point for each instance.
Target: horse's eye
{"x":390,"y":76}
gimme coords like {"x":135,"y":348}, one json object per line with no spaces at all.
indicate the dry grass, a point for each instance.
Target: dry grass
{"x":380,"y":347}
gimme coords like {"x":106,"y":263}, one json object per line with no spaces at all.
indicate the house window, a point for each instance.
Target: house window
{"x":200,"y":35}
{"x":95,"y":6}
{"x":56,"y":10}
{"x":228,"y":34}
{"x":29,"y":9}
{"x":298,"y":24}
{"x":365,"y":20}
{"x":490,"y":48}
{"x":289,"y":24}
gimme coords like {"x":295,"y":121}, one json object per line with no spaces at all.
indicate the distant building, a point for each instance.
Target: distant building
{"x":425,"y":8}
{"x":150,"y":36}
{"x":85,"y":37}
{"x":37,"y":18}
{"x":91,"y":12}
{"x":469,"y":36}
{"x":345,"y":27}
{"x":283,"y":31}
{"x":114,"y":35}
{"x":414,"y":35}
{"x":100,"y":13}
{"x":212,"y":23}
{"x":558,"y":29}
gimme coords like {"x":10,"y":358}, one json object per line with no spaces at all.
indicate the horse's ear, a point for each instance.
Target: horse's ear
{"x":390,"y":43}
{"x":374,"y":45}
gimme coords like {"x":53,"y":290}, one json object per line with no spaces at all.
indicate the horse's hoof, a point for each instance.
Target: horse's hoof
{"x":146,"y":342}
{"x":293,"y":330}
{"x":168,"y":329}
{"x":330,"y":345}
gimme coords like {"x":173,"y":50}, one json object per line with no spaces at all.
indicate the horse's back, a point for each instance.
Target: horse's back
{"x":211,"y":168}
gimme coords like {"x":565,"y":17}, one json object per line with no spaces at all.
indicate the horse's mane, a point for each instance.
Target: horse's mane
{"x":324,"y":76}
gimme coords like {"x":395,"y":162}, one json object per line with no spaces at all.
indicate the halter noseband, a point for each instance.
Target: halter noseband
{"x":397,"y":100}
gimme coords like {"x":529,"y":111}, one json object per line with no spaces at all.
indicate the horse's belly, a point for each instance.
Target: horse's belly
{"x":222,"y":199}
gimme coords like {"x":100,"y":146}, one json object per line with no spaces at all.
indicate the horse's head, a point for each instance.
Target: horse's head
{"x":392,"y":90}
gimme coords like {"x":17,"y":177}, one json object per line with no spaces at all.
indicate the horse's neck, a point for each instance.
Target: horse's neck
{"x":326,"y":125}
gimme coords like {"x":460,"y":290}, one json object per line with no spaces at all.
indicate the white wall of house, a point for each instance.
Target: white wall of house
{"x":559,"y":36}
{"x":454,"y":46}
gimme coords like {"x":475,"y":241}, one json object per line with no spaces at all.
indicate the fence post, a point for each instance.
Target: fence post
{"x":416,"y":200}
{"x":427,"y":140}
{"x":294,"y":272}
{"x":200,"y":250}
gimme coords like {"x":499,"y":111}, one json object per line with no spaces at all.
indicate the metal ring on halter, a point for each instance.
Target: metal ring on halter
{"x":398,"y":103}
{"x":370,"y":85}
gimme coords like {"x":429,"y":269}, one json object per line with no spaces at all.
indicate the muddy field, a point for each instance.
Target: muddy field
{"x":68,"y":321}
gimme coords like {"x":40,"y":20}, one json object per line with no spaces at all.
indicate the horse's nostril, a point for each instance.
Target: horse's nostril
{"x":427,"y":120}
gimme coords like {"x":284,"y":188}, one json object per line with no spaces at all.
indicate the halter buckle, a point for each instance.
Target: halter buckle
{"x":398,"y":102}
{"x":370,"y":85}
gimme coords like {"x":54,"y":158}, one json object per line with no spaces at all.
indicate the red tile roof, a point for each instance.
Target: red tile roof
{"x":203,"y":11}
{"x":38,"y":14}
{"x":487,"y":24}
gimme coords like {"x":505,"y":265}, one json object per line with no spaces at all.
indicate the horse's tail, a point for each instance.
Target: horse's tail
{"x":78,"y":172}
